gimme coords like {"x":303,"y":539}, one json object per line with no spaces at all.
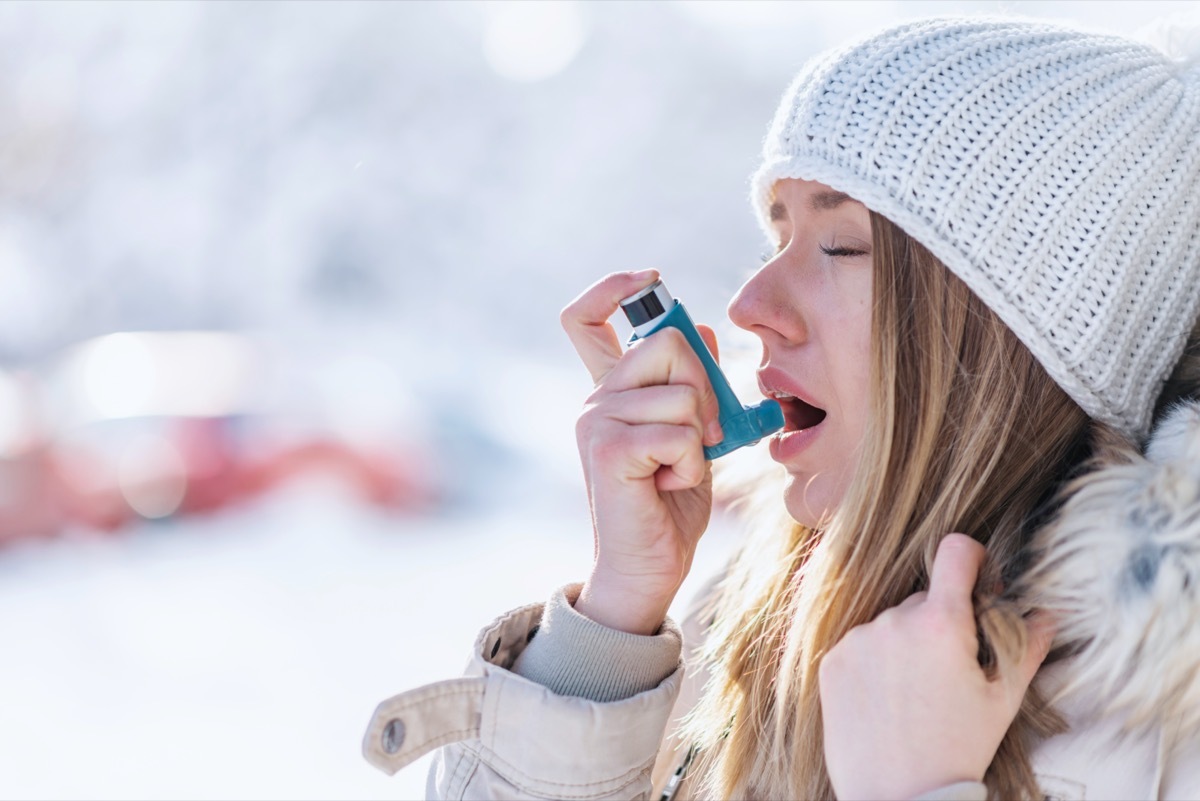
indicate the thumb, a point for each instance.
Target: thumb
{"x":952,"y":577}
{"x":710,"y":339}
{"x":1040,"y":628}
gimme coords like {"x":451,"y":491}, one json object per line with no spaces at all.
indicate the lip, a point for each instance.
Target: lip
{"x":772,"y":379}
{"x":785,"y":446}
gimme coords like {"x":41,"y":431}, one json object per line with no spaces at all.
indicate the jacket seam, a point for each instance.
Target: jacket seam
{"x":462,"y":753}
{"x":445,"y":692}
{"x":625,"y":779}
{"x":472,"y":769}
{"x":462,"y":759}
{"x":501,"y":686}
{"x":525,"y":783}
{"x":434,"y":742}
{"x":495,"y":708}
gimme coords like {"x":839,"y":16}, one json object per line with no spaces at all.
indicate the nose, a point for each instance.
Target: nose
{"x":765,"y":307}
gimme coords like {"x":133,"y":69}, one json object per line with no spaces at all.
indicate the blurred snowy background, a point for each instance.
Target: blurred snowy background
{"x":286,"y":414}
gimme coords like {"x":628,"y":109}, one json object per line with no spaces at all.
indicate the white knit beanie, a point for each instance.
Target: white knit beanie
{"x":1056,"y":172}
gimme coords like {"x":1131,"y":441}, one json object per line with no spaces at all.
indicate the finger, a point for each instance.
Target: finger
{"x":916,"y":599}
{"x":1040,"y":628}
{"x":661,"y":445}
{"x":955,"y":569}
{"x":710,"y":338}
{"x":665,"y":358}
{"x":677,"y":404}
{"x":679,"y":448}
{"x":585,"y":319}
{"x":680,"y":477}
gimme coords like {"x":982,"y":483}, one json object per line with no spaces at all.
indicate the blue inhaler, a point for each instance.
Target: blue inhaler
{"x":652,"y":309}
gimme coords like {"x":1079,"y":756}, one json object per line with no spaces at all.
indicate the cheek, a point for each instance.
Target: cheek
{"x":859,"y":387}
{"x":853,"y":365}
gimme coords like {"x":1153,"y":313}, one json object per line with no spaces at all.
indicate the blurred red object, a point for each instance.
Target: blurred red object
{"x":47,"y":489}
{"x":146,"y":438}
{"x":218,"y":472}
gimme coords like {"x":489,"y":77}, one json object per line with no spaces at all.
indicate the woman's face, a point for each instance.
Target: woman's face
{"x":811,"y":307}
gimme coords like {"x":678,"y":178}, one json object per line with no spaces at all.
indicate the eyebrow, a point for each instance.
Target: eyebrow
{"x":821,"y":201}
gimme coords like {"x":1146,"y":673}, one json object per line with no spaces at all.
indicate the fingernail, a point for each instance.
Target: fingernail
{"x":715,"y":434}
{"x":643,"y":275}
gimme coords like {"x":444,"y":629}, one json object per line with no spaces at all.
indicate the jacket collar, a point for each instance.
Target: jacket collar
{"x":1120,"y":569}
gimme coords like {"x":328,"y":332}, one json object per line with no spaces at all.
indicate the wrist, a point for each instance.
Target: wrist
{"x":619,"y":606}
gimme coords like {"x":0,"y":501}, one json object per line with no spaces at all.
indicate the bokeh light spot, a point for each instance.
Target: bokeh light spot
{"x":153,"y":478}
{"x":119,"y":376}
{"x":530,"y":41}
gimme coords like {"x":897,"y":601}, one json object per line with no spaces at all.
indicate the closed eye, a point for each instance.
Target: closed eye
{"x":836,"y":252}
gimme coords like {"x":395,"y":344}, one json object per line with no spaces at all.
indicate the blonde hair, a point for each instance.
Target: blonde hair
{"x":967,"y":433}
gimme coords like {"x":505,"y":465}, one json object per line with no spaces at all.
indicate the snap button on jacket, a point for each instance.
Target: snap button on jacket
{"x":509,"y":737}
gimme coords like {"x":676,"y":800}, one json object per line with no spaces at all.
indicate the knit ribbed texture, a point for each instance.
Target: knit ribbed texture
{"x":574,"y":655}
{"x":962,"y":791}
{"x":1056,"y":172}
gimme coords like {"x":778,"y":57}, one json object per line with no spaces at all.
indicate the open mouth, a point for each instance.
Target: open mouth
{"x":798,"y":415}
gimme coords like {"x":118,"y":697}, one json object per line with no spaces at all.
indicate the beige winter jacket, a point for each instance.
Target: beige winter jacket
{"x":554,"y":705}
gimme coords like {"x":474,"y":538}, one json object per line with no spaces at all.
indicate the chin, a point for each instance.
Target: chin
{"x":808,"y":500}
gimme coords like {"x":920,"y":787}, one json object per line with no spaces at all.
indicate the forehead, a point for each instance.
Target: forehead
{"x":809,"y":195}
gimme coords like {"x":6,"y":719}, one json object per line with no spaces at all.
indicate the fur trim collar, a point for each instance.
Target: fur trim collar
{"x":1120,"y":567}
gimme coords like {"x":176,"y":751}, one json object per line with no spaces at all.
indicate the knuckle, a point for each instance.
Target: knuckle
{"x":825,"y":670}
{"x":835,"y":660}
{"x":688,"y":394}
{"x":689,"y":438}
{"x":832,"y":663}
{"x":938,"y":615}
{"x":887,"y":619}
{"x":681,"y":399}
{"x":693,"y":471}
{"x":608,"y":447}
{"x":696,"y":404}
{"x":585,"y":424}
{"x":673,"y":335}
{"x":849,"y":640}
{"x":674,"y":341}
{"x":939,"y":623}
{"x":596,"y":396}
{"x":884,"y":636}
{"x":566,"y":315}
{"x":642,"y":348}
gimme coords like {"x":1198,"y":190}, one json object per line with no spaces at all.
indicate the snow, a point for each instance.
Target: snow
{"x":241,"y":655}
{"x":356,"y":187}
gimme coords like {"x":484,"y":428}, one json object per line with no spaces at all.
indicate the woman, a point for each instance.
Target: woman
{"x":986,"y":264}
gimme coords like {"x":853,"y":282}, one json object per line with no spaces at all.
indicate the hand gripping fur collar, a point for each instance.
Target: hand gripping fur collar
{"x":1120,"y":568}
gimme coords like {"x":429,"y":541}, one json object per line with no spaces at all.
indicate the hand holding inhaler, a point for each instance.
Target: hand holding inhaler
{"x":657,"y":409}
{"x":653,"y":309}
